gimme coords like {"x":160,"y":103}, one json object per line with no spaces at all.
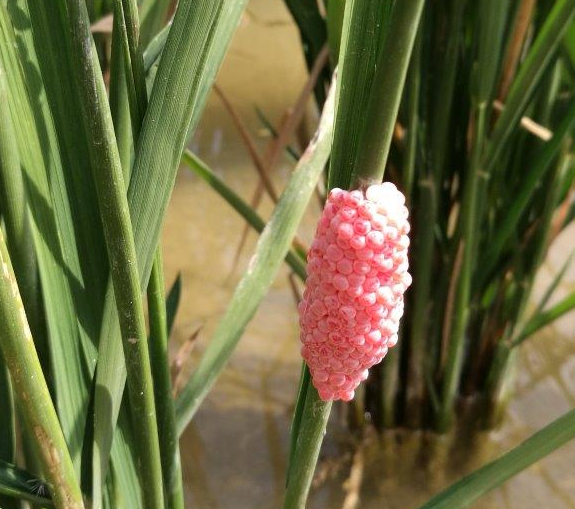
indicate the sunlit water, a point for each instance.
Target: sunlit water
{"x":234,"y":452}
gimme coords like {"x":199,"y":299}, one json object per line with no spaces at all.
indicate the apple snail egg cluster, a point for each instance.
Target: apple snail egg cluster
{"x":357,"y":275}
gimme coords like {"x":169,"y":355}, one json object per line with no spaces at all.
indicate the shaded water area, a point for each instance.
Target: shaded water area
{"x":234,"y":453}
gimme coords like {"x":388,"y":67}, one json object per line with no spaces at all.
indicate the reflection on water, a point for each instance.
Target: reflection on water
{"x":234,"y":453}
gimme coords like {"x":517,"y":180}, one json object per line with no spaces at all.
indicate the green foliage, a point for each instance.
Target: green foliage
{"x":21,"y":485}
{"x":62,"y":135}
{"x":273,"y":246}
{"x":466,"y":491}
{"x":470,"y":117}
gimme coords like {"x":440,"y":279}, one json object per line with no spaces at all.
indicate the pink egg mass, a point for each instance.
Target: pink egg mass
{"x":357,"y":275}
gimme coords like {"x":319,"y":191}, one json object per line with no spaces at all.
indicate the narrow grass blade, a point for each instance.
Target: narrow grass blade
{"x":34,"y":398}
{"x":528,"y":77}
{"x":248,"y":213}
{"x":154,"y":50}
{"x":159,"y":352}
{"x":554,"y":284}
{"x":129,"y":34}
{"x":569,"y":43}
{"x":111,"y":191}
{"x":41,"y":40}
{"x":272,"y":247}
{"x":520,"y":26}
{"x":544,"y":318}
{"x":412,"y":99}
{"x":119,"y":104}
{"x":21,"y":485}
{"x":469,"y":489}
{"x":173,"y":302}
{"x":174,"y":110}
{"x":290,"y":151}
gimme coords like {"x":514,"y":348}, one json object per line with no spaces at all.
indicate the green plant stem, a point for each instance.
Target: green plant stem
{"x":195,"y":164}
{"x":389,"y":385}
{"x":122,"y":50}
{"x":499,"y":369}
{"x":271,"y":249}
{"x":414,"y":381}
{"x":310,"y":436}
{"x":550,"y":290}
{"x":542,"y":161}
{"x":194,"y":46}
{"x":463,"y":493}
{"x":391,"y":69}
{"x":528,"y":77}
{"x":129,"y":31}
{"x":30,"y":386}
{"x":7,"y":429}
{"x":14,"y":215}
{"x":491,"y":20}
{"x":364,"y":30}
{"x":54,"y":189}
{"x":169,"y":444}
{"x":119,"y":236}
{"x":119,"y":105}
{"x":544,"y":318}
{"x":461,"y":308}
{"x":429,"y":184}
{"x":412,"y":106}
{"x":304,"y":385}
{"x":402,"y":29}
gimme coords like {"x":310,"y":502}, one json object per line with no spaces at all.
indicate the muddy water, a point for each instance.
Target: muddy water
{"x":234,"y":453}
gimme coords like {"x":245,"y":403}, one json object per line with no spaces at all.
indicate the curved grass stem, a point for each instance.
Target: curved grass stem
{"x":32,"y":391}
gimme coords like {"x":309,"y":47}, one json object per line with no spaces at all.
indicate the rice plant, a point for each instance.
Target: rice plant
{"x":482,"y":149}
{"x":467,"y":107}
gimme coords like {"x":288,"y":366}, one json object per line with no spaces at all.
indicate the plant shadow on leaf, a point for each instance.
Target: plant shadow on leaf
{"x":79,"y":290}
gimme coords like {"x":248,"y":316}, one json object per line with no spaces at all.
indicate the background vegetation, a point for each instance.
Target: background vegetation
{"x":468,"y":107}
